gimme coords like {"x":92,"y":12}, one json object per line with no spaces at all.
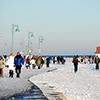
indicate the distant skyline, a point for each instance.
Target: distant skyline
{"x":68,"y":26}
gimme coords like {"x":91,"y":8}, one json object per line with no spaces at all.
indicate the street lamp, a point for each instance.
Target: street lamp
{"x":17,"y":29}
{"x":30,"y":34}
{"x":40,"y":41}
{"x":5,"y":44}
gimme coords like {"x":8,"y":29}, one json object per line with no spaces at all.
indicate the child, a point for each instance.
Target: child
{"x":75,"y":61}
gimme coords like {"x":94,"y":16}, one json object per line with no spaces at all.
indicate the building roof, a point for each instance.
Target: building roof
{"x":98,"y":50}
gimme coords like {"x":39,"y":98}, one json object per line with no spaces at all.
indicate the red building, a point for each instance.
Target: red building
{"x":97,"y":52}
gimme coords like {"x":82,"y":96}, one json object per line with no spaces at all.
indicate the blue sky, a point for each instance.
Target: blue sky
{"x":68,"y":26}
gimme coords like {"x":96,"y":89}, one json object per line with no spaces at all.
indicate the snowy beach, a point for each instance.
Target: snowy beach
{"x":49,"y":49}
{"x":10,"y":86}
{"x":83,"y":85}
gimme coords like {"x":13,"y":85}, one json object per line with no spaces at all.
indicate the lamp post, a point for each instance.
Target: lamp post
{"x":40,"y":40}
{"x":30,"y":34}
{"x":17,"y":29}
{"x":5,"y":44}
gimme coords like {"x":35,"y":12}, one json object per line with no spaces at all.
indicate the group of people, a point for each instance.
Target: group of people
{"x":16,"y":62}
{"x":76,"y":60}
{"x":37,"y":61}
{"x":58,"y":59}
{"x":13,"y":62}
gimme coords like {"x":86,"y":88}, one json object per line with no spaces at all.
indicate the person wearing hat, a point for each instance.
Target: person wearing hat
{"x":18,"y":61}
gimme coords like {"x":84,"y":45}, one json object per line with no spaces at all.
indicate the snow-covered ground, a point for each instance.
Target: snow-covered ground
{"x":83,"y":85}
{"x":10,"y":86}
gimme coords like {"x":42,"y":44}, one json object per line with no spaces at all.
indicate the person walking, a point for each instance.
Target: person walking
{"x":5,"y":59}
{"x":58,"y":59}
{"x":18,"y":61}
{"x":97,"y":60}
{"x":27,"y":62}
{"x":33,"y":62}
{"x":10,"y":64}
{"x":84,"y":59}
{"x":39,"y":62}
{"x":2,"y":63}
{"x":47,"y":62}
{"x":61,"y":60}
{"x":75,"y":61}
{"x":42,"y":61}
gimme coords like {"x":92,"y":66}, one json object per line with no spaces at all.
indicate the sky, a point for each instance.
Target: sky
{"x":68,"y":26}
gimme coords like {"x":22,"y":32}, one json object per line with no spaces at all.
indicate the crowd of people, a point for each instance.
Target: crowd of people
{"x":16,"y":62}
{"x":84,"y":60}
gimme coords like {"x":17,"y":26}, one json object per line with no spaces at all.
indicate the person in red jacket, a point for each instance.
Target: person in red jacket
{"x":75,"y":61}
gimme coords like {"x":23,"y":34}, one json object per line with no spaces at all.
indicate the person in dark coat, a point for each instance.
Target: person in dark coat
{"x":42,"y":61}
{"x":47,"y":62}
{"x":58,"y":59}
{"x":97,"y":60}
{"x":27,"y":63}
{"x":75,"y":61}
{"x":38,"y":62}
{"x":61,"y":58}
{"x":18,"y":61}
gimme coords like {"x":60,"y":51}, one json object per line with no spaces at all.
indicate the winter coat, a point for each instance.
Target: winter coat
{"x":47,"y":60}
{"x":18,"y":60}
{"x":2,"y":63}
{"x":32,"y":61}
{"x":75,"y":61}
{"x":27,"y":61}
{"x":97,"y":60}
{"x":10,"y":63}
{"x":38,"y":62}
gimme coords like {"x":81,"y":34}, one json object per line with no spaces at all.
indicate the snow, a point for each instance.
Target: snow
{"x":83,"y":85}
